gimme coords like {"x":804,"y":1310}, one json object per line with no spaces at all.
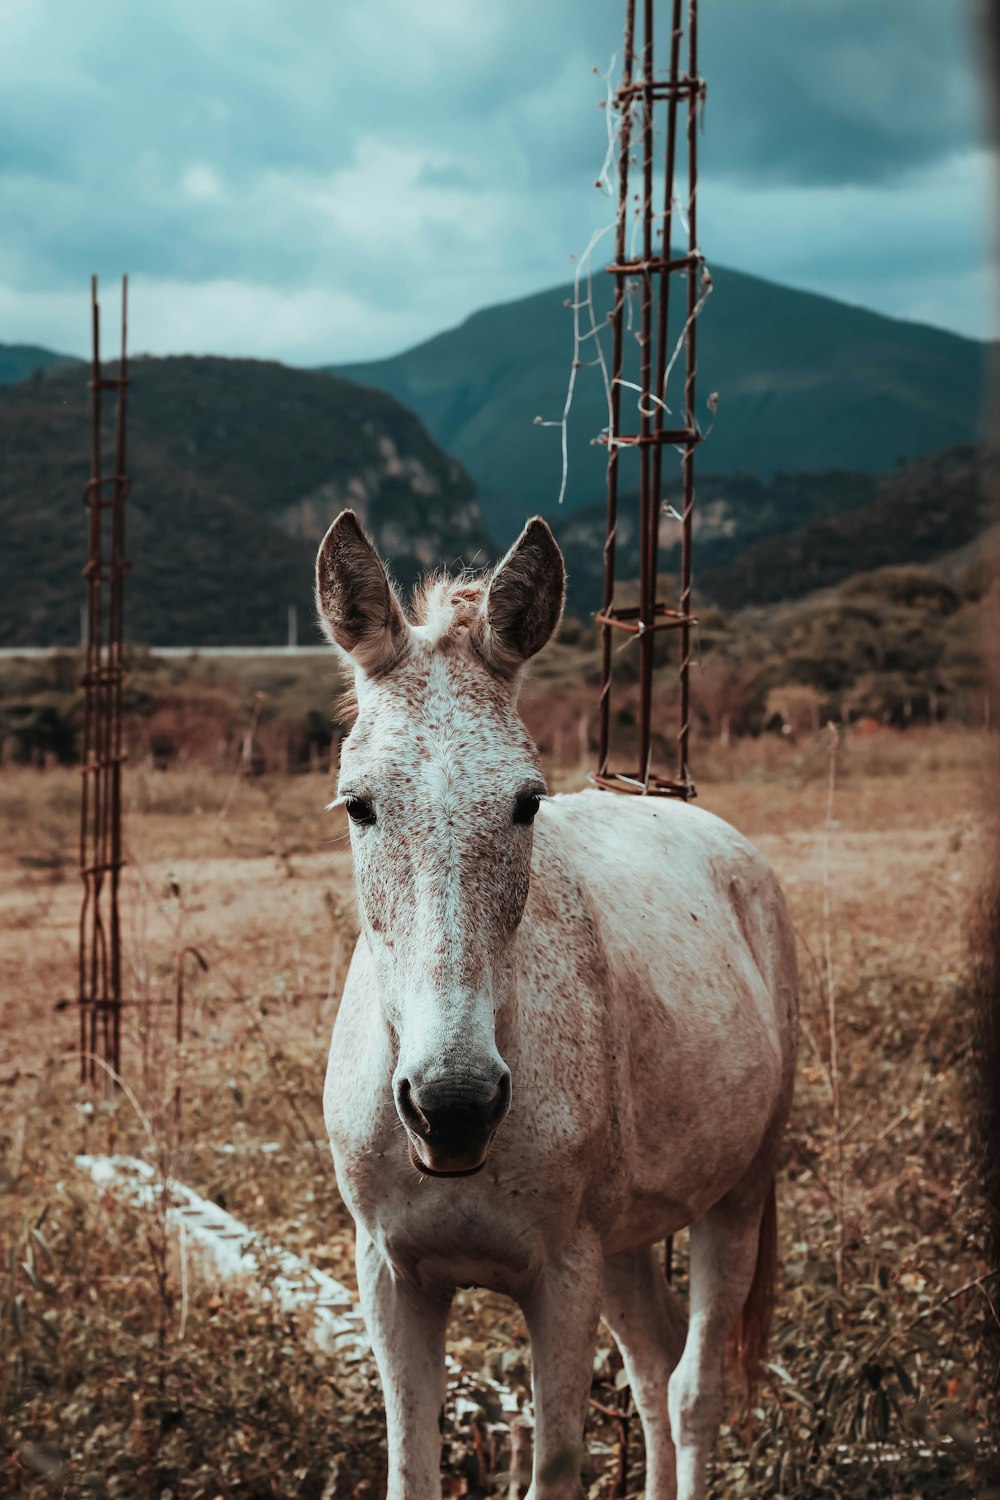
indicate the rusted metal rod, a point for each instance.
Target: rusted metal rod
{"x":691,"y":365}
{"x":636,"y":100}
{"x":99,"y":988}
{"x":614,"y":450}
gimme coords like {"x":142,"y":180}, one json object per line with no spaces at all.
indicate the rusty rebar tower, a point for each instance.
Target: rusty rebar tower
{"x":99,"y":989}
{"x":640,"y":96}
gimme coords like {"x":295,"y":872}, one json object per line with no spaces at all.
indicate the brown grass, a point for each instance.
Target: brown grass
{"x":101,"y":1385}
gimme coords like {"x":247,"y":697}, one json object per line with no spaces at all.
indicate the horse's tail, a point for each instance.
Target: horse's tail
{"x":748,"y":1340}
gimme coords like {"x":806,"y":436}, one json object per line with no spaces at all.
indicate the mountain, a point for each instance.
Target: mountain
{"x":919,"y":515}
{"x":237,"y":467}
{"x":805,"y":383}
{"x":18,"y":361}
{"x":758,"y":542}
{"x":732,"y":513}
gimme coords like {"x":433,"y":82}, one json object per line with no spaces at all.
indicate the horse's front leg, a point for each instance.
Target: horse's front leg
{"x":406,"y":1325}
{"x":562,"y":1313}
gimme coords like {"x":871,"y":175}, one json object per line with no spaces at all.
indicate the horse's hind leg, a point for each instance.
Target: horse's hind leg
{"x":642,"y":1313}
{"x":724,"y":1260}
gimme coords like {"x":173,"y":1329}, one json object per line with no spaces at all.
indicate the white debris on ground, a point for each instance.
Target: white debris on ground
{"x":220,"y":1245}
{"x":217,"y":1244}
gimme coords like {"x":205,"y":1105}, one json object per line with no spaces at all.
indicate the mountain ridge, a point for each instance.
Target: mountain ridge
{"x":758,"y":543}
{"x":21,"y":361}
{"x":806,"y":383}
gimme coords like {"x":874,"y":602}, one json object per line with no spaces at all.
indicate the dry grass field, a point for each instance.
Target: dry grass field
{"x":121,"y":1376}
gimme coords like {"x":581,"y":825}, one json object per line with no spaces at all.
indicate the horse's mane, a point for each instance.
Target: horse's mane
{"x":445,"y":604}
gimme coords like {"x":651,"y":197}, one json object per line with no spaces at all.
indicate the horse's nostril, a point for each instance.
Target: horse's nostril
{"x":453,"y":1109}
{"x":410,"y":1111}
{"x":501,"y":1102}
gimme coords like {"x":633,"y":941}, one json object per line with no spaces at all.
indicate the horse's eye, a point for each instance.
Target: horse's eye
{"x":525,"y":809}
{"x":360,"y":810}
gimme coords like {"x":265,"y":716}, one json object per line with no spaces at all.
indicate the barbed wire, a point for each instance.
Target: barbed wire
{"x":587,"y":327}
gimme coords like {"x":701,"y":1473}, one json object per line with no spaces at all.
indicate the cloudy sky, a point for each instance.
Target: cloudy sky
{"x":324,"y":180}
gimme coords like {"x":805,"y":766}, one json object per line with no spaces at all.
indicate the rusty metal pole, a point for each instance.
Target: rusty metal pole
{"x":617,"y":355}
{"x":652,"y":271}
{"x":690,"y":420}
{"x":99,"y":992}
{"x":647,"y":554}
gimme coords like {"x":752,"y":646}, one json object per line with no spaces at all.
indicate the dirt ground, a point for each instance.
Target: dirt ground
{"x":257,"y":877}
{"x":245,"y":886}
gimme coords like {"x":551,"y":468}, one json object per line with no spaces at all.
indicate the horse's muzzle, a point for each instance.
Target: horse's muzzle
{"x":451,"y":1122}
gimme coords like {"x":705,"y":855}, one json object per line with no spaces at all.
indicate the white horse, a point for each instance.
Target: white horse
{"x":568,"y":1031}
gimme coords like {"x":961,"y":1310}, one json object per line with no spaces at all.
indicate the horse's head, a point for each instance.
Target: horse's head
{"x":441,"y":783}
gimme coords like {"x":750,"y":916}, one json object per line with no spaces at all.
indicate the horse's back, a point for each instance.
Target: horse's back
{"x":669,"y":885}
{"x":693,"y":945}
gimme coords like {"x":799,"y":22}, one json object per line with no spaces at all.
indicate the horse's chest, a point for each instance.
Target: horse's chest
{"x":469,"y":1234}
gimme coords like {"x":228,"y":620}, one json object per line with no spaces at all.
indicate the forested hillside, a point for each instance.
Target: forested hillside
{"x":758,"y":542}
{"x":237,"y":467}
{"x":805,"y":383}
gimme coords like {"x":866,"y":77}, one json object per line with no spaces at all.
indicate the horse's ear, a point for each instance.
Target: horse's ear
{"x":357,"y":607}
{"x":524,"y":601}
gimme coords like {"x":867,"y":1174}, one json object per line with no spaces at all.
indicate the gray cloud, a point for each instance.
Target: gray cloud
{"x":838,"y":91}
{"x":397,"y":165}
